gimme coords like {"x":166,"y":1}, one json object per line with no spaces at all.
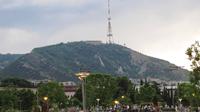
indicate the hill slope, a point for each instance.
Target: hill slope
{"x":60,"y":62}
{"x":6,"y":59}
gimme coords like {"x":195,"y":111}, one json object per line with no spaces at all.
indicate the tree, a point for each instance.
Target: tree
{"x":26,"y":99}
{"x":99,"y":86}
{"x":189,"y":93}
{"x":16,"y":82}
{"x":13,"y":99}
{"x":147,"y":93}
{"x":193,"y":53}
{"x":134,"y":95}
{"x":54,"y":92}
{"x":8,"y":99}
{"x":124,"y":90}
{"x":124,"y":86}
{"x":158,"y":96}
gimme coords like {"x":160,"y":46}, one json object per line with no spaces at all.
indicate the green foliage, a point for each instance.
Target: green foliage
{"x":8,"y":99}
{"x":124,"y":86}
{"x":134,"y":95}
{"x":26,"y":99}
{"x":147,"y":93}
{"x":12,"y":99}
{"x":189,"y":93}
{"x":100,"y":86}
{"x":54,"y":92}
{"x":16,"y":82}
{"x":107,"y":89}
{"x":193,"y":53}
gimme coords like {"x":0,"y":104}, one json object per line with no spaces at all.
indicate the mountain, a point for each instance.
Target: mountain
{"x":6,"y":59}
{"x":62,"y":61}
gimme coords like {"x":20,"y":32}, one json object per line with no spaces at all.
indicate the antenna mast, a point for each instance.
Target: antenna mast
{"x":109,"y":33}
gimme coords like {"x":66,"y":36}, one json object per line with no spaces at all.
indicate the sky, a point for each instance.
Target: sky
{"x":160,"y":28}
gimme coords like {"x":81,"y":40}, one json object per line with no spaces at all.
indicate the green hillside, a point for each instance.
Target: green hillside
{"x":6,"y":59}
{"x":62,"y":61}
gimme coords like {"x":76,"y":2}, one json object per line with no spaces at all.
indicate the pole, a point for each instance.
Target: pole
{"x":20,"y":105}
{"x":98,"y":105}
{"x":37,"y":99}
{"x":83,"y":96}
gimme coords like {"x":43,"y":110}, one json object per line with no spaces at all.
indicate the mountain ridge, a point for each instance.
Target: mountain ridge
{"x":62,"y":61}
{"x":6,"y":59}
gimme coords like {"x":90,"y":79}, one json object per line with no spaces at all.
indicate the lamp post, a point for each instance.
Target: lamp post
{"x":180,"y":99}
{"x":193,"y":94}
{"x":116,"y":102}
{"x":20,"y":105}
{"x":45,"y":98}
{"x":82,"y":76}
{"x":180,"y":105}
{"x":98,"y":103}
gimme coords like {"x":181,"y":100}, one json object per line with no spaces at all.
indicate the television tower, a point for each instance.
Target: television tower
{"x":109,"y":33}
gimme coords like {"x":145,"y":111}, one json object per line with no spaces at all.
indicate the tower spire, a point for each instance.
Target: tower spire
{"x":109,"y":33}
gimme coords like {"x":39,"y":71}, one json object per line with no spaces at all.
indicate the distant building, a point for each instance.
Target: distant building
{"x":162,"y":84}
{"x":36,"y":82}
{"x":70,"y":88}
{"x":95,"y":42}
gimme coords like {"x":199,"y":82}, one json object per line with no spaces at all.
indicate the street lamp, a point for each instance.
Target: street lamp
{"x":116,"y":102}
{"x":98,"y":103}
{"x":45,"y":98}
{"x":82,"y":76}
{"x":180,"y":99}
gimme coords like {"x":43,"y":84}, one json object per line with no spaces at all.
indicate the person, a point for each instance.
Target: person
{"x":156,"y":107}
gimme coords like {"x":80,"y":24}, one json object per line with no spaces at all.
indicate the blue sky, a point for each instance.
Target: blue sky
{"x":158,"y":28}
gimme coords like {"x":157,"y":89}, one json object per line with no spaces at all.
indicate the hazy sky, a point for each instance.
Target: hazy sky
{"x":158,"y":28}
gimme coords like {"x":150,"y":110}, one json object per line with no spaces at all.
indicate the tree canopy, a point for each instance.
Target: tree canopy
{"x":54,"y":92}
{"x":16,"y":82}
{"x":193,"y":53}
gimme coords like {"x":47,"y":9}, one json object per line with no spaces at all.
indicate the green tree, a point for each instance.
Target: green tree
{"x":189,"y":93}
{"x":124,"y":86}
{"x":134,"y":95}
{"x":147,"y":93}
{"x":193,"y":53}
{"x":8,"y":99}
{"x":16,"y":82}
{"x":158,"y":96}
{"x":100,"y":86}
{"x":54,"y":92}
{"x":125,"y":90}
{"x":26,"y":99}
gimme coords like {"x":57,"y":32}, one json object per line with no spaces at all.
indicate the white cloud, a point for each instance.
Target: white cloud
{"x":7,"y":4}
{"x":162,"y":29}
{"x":67,"y":2}
{"x":18,"y":40}
{"x":79,"y":32}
